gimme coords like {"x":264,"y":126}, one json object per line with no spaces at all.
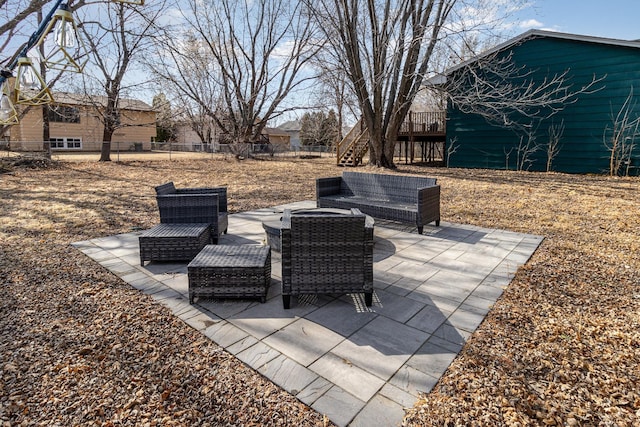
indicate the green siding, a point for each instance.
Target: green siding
{"x":483,"y":145}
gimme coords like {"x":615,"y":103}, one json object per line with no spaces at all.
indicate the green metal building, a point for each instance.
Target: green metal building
{"x":585,"y":145}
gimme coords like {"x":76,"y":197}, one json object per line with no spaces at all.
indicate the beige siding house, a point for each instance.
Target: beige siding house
{"x":279,"y":139}
{"x":75,"y":126}
{"x":292,"y":128}
{"x":188,"y":140}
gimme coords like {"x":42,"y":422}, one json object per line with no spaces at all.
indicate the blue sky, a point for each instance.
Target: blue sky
{"x":609,"y":18}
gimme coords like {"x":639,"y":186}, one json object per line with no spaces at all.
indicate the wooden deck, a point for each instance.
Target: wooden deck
{"x":425,"y":124}
{"x":422,"y":138}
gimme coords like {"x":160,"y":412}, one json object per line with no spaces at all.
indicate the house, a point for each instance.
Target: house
{"x":186,"y":139}
{"x":292,"y":127}
{"x":75,"y":125}
{"x":580,"y":128}
{"x":279,"y":139}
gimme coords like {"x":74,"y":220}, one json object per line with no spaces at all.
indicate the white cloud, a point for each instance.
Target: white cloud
{"x":530,"y":23}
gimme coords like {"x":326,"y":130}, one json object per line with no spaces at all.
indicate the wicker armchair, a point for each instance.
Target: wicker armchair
{"x":194,"y":205}
{"x":326,"y":253}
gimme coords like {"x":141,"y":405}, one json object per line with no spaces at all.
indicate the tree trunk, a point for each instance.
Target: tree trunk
{"x":381,"y":147}
{"x":376,"y":141}
{"x":46,"y":136}
{"x":387,"y":155}
{"x":46,"y":143}
{"x":105,"y":151}
{"x":111,"y":121}
{"x":381,"y":155}
{"x":391,"y":138}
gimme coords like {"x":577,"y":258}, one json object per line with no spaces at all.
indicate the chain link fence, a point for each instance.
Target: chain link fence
{"x":164,"y":150}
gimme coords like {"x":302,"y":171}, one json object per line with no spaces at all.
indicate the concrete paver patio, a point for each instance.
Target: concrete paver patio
{"x":361,"y":366}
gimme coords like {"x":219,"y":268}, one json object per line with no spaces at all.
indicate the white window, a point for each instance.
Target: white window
{"x":66,"y":143}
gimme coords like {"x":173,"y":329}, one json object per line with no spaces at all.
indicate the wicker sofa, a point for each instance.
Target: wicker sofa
{"x":402,"y":198}
{"x":194,"y":205}
{"x":326,"y":253}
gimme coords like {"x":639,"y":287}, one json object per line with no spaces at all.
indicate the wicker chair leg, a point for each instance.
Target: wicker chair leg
{"x":368,"y":298}
{"x":286,"y":301}
{"x":437,"y":223}
{"x":420,"y":228}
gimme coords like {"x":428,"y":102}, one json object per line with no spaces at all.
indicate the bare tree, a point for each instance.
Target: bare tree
{"x":311,"y":128}
{"x":451,"y":149}
{"x":331,"y":129}
{"x":199,"y":120}
{"x":553,"y":145}
{"x":337,"y":89}
{"x":165,"y":118}
{"x":509,"y":95}
{"x":386,"y":49}
{"x":620,"y":138}
{"x":117,"y":36}
{"x":507,"y":155}
{"x":527,"y":147}
{"x":186,"y":71}
{"x":250,"y":55}
{"x":334,"y":90}
{"x":319,"y":128}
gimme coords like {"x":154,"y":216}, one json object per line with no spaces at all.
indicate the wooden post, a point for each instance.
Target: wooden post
{"x":410,"y":136}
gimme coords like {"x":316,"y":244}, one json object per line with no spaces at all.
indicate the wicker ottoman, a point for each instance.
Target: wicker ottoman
{"x":241,"y":271}
{"x":173,"y":242}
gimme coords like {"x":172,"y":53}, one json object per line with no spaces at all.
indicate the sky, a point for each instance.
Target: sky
{"x":618,"y":19}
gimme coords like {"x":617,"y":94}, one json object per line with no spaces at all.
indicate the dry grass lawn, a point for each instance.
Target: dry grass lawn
{"x":80,"y":347}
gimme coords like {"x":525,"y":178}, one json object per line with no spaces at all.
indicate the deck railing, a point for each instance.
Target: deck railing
{"x":425,"y":123}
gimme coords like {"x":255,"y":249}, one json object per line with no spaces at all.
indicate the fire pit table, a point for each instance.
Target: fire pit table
{"x":273,"y":224}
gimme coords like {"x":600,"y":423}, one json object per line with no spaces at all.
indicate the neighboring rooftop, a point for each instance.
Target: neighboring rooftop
{"x":290,"y":126}
{"x":82,"y":99}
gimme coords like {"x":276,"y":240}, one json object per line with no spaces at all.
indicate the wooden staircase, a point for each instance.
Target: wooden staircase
{"x":353,"y":147}
{"x":423,"y":130}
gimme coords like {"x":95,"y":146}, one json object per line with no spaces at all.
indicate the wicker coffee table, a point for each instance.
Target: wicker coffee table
{"x":223,"y":271}
{"x":173,"y":242}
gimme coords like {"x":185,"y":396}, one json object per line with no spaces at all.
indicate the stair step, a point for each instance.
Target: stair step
{"x":357,"y":147}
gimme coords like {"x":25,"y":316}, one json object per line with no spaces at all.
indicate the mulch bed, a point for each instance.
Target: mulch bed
{"x":80,"y":347}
